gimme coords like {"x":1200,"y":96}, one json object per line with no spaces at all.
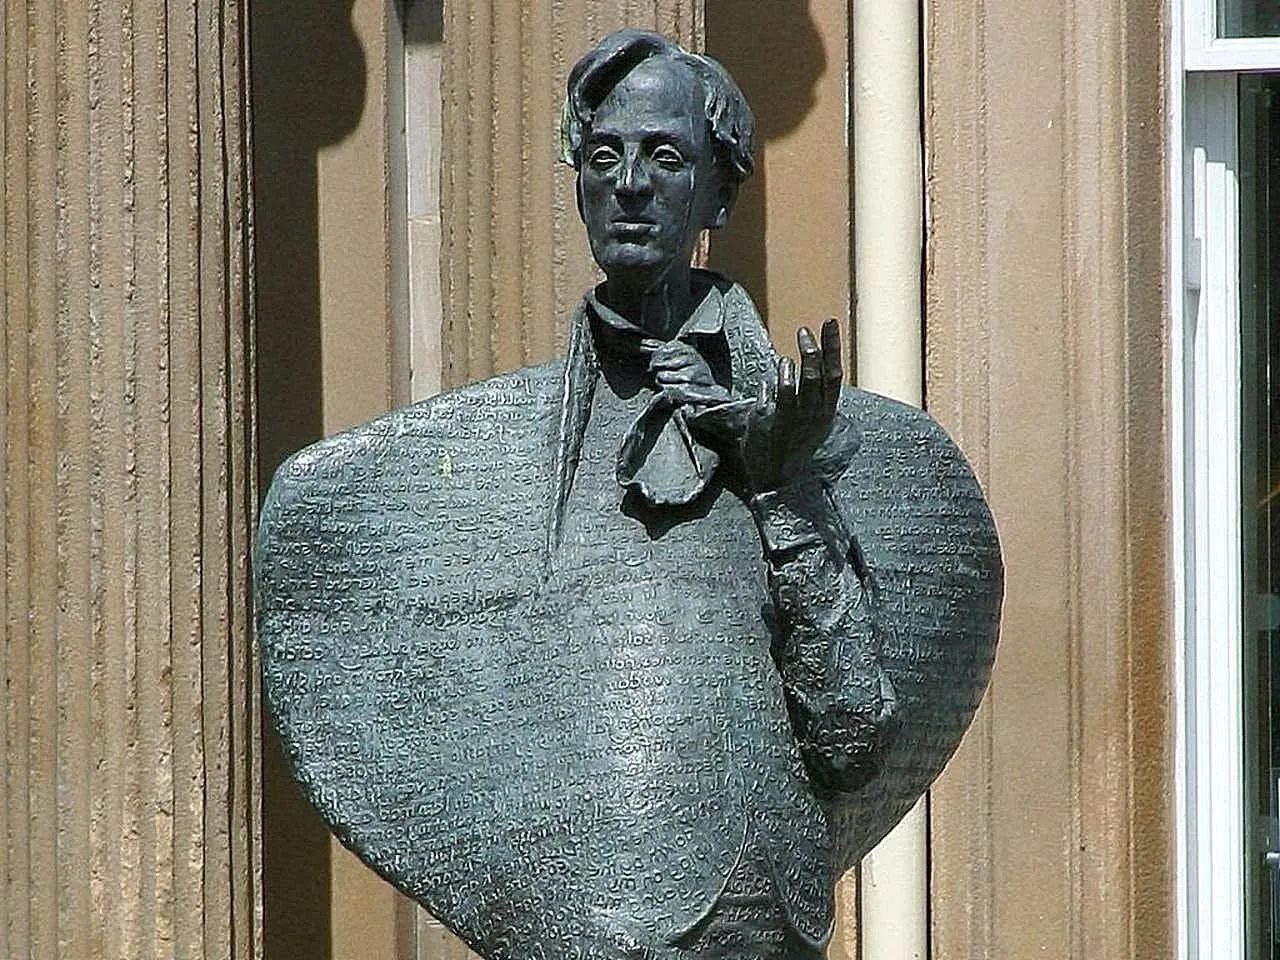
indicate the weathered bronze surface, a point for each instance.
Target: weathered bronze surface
{"x":631,"y":654}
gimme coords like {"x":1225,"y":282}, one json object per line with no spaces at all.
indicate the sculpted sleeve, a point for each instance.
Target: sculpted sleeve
{"x":826,"y":638}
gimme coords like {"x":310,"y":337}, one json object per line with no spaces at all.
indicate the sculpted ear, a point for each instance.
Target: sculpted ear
{"x":722,"y":208}
{"x":577,"y":193}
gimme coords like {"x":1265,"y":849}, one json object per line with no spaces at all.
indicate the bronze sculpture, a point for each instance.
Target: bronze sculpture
{"x":519,"y":641}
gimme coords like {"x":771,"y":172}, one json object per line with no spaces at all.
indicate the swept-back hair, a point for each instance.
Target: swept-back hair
{"x":604,"y":67}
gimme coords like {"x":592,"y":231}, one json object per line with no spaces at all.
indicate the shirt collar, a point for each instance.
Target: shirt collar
{"x":707,"y":318}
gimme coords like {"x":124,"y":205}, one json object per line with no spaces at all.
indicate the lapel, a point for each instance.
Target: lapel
{"x":578,"y":387}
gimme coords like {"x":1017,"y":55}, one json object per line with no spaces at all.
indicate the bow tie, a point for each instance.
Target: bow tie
{"x":660,"y":457}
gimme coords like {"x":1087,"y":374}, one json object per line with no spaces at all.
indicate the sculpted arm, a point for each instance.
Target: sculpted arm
{"x":827,"y":642}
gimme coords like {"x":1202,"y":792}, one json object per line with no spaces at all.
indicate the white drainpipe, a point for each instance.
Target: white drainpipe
{"x":888,"y":236}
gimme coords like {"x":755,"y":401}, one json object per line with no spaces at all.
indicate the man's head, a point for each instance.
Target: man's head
{"x":661,"y":139}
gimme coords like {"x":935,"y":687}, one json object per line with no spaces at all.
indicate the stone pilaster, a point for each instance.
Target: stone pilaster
{"x":1052,"y":828}
{"x":129,"y":731}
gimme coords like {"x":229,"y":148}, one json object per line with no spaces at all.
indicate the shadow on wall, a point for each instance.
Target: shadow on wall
{"x":774,"y":51}
{"x":308,"y":84}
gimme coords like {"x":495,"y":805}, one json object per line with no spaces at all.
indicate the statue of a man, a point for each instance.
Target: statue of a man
{"x":630,"y":655}
{"x":677,"y":375}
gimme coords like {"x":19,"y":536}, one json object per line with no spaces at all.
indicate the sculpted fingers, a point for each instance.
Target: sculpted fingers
{"x":832,"y":371}
{"x":809,"y":399}
{"x":683,"y":393}
{"x":679,"y":363}
{"x":665,"y":355}
{"x":766,"y":400}
{"x":786,"y":392}
{"x":794,"y":409}
{"x":699,"y":395}
{"x":683,"y":374}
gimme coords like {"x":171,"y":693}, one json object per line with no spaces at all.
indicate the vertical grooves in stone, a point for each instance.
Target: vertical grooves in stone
{"x":1083,"y":671}
{"x":12,"y":265}
{"x":515,"y":260}
{"x":669,"y":11}
{"x":180,"y":831}
{"x":5,"y":459}
{"x":74,"y":626}
{"x":42,"y":482}
{"x":562,"y":33}
{"x":454,"y":195}
{"x":959,"y":391}
{"x":15,"y":428}
{"x":240,"y":807}
{"x":102,"y":152}
{"x":539,"y":150}
{"x":1075,"y":338}
{"x":481,"y":135}
{"x":210,"y":804}
{"x":570,"y":257}
{"x":450,"y":123}
{"x":144,"y":324}
{"x":1150,"y":914}
{"x":111,"y":91}
{"x":129,"y":802}
{"x":1095,"y":133}
{"x":506,"y":294}
{"x":691,"y":23}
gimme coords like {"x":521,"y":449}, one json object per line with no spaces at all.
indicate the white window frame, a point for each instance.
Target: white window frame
{"x":1204,"y":51}
{"x":1209,"y":377}
{"x":1206,"y":438}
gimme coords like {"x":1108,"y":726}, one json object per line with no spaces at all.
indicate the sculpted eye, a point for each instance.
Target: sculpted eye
{"x":603,"y":157}
{"x":668,"y":157}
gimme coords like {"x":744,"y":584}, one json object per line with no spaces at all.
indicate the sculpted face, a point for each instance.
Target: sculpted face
{"x":648,"y":181}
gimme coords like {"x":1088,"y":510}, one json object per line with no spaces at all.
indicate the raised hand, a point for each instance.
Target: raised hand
{"x":793,"y":415}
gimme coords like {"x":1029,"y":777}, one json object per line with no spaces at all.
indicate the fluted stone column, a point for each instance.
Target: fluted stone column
{"x":515,"y":259}
{"x":129,"y":731}
{"x":1053,"y":827}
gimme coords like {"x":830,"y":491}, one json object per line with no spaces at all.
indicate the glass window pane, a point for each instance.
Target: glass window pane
{"x":1248,"y":18}
{"x":1259,"y":152}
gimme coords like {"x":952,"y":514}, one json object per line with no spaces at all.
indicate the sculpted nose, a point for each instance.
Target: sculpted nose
{"x":633,"y":179}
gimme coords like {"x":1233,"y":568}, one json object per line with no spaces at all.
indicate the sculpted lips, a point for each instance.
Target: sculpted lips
{"x":627,"y":229}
